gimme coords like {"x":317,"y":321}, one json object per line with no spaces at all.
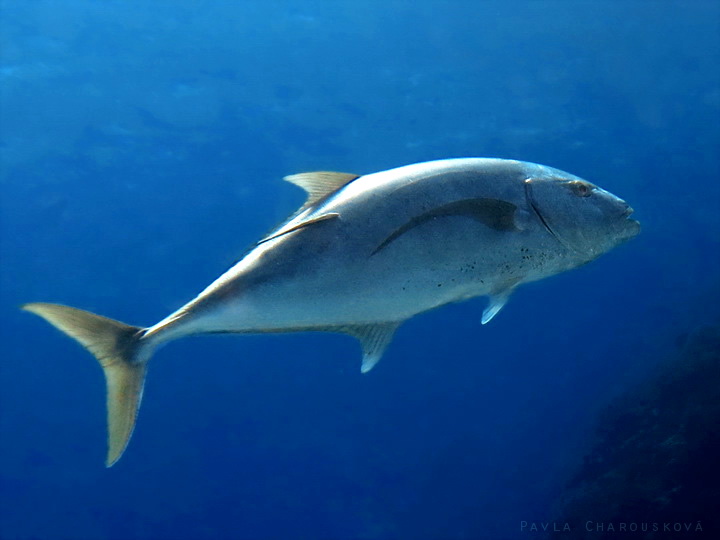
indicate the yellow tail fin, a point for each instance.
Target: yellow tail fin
{"x":123,"y":357}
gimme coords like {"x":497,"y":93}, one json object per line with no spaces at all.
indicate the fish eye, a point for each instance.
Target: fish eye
{"x":581,"y":189}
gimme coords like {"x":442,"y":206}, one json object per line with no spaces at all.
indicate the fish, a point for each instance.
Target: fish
{"x":365,"y":253}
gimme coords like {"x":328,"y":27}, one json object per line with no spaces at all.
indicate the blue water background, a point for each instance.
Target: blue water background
{"x":143,"y":145}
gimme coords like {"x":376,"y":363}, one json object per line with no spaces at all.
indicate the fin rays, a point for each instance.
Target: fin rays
{"x":374,"y":339}
{"x":118,"y":349}
{"x":320,"y":184}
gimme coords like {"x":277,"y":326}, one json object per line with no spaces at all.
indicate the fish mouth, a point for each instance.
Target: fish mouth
{"x":631,"y":227}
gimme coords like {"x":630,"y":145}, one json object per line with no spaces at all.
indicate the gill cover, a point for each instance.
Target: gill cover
{"x":584,"y":218}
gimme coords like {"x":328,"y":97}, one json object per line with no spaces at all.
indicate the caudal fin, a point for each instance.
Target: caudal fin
{"x":123,"y":357}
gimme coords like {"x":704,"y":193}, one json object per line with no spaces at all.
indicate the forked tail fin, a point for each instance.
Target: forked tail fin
{"x":121,"y":353}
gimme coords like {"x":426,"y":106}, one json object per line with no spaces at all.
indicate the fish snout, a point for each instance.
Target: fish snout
{"x":627,"y":227}
{"x":631,"y":227}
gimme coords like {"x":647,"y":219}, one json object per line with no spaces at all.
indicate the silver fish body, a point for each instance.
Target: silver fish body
{"x":355,"y":268}
{"x":366,"y":253}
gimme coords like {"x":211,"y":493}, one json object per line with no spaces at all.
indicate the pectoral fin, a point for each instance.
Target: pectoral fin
{"x":374,"y":339}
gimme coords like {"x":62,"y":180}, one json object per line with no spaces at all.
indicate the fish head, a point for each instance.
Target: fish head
{"x":582,"y":216}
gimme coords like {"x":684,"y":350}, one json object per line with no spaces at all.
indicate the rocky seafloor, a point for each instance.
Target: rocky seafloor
{"x":654,"y":469}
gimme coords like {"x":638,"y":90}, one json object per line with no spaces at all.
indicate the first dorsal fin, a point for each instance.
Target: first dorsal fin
{"x":319,"y":184}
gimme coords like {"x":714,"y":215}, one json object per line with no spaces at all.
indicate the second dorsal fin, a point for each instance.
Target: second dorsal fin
{"x":319,"y":184}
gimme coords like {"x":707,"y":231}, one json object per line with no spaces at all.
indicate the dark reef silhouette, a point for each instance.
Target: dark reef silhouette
{"x":655,"y":463}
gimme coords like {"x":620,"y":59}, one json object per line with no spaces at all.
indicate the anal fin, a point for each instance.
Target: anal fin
{"x":374,"y":339}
